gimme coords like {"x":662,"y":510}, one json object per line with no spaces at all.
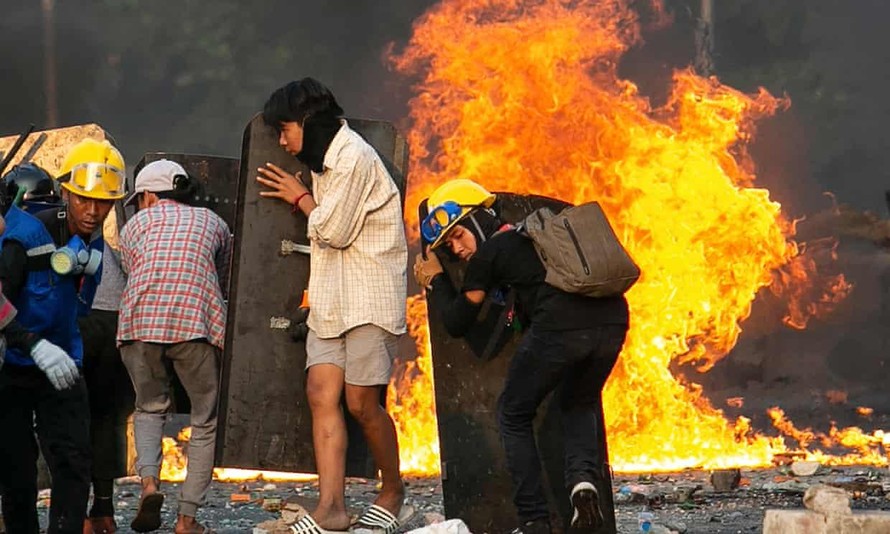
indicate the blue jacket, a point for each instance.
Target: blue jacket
{"x":48,"y":304}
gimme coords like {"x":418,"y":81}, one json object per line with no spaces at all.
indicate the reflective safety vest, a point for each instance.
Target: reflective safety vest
{"x":48,"y":304}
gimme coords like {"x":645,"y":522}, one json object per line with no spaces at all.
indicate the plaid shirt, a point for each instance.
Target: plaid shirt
{"x":359,"y":259}
{"x":177,"y":257}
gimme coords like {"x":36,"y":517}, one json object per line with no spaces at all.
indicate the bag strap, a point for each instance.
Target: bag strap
{"x":505,"y":320}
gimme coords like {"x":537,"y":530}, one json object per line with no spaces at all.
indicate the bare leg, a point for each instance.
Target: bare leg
{"x":324,"y":389}
{"x":380,"y":432}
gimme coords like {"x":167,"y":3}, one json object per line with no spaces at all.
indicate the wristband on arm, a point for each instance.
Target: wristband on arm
{"x":297,"y":201}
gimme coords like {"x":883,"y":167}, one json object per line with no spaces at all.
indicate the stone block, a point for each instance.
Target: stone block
{"x":827,"y":500}
{"x":809,"y":522}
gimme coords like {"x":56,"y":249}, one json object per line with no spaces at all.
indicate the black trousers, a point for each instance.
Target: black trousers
{"x":110,"y":390}
{"x":62,"y":423}
{"x":575,"y":364}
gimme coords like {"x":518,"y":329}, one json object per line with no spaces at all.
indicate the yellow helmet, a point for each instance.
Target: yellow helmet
{"x":94,"y":169}
{"x":449,"y":203}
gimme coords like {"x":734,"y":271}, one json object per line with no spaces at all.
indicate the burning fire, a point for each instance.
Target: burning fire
{"x":411,"y":402}
{"x":524,"y":96}
{"x":175,"y":465}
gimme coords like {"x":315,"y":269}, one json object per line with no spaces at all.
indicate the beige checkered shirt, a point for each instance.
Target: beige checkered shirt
{"x":358,"y":269}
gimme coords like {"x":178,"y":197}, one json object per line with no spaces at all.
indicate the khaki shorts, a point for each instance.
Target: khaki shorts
{"x":365,"y":354}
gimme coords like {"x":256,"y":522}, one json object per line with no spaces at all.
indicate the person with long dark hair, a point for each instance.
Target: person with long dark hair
{"x":357,"y":292}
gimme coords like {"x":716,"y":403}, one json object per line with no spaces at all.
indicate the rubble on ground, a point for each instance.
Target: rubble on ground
{"x":685,"y":502}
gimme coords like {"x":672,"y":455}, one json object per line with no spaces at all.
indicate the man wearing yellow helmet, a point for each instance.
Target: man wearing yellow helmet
{"x":50,"y":267}
{"x":571,"y":343}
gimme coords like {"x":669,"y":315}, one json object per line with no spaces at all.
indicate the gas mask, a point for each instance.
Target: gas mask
{"x":75,"y":258}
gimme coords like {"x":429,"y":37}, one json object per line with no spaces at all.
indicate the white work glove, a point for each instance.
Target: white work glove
{"x":56,"y":364}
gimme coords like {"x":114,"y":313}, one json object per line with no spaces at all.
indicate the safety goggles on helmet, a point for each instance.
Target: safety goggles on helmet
{"x":440,"y":219}
{"x":97,"y":180}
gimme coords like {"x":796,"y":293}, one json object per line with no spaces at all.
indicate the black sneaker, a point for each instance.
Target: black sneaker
{"x":586,"y":513}
{"x":538,"y":526}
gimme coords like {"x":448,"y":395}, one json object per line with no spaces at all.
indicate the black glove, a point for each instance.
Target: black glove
{"x":298,"y":328}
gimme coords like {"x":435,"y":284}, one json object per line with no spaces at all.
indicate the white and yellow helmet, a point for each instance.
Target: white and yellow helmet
{"x":94,"y":169}
{"x":449,"y":203}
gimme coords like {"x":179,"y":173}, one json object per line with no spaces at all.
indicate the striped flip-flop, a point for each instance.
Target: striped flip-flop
{"x":307,"y":525}
{"x":379,"y":520}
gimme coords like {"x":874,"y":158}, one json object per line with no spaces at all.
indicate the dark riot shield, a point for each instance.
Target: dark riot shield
{"x":217,"y":177}
{"x":264,"y":420}
{"x":469,"y":377}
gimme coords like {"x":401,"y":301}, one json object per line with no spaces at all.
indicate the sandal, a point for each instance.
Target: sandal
{"x":148,"y":517}
{"x":379,"y":520}
{"x":307,"y":525}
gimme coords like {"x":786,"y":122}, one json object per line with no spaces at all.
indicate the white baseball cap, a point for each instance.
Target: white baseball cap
{"x":155,"y":177}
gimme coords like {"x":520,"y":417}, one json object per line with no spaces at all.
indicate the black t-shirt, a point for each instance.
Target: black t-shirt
{"x":509,"y":259}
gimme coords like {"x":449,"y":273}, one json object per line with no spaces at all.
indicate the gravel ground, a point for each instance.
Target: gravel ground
{"x":680,"y":502}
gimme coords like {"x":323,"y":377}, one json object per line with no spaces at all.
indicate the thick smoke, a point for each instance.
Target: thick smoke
{"x":187,"y":76}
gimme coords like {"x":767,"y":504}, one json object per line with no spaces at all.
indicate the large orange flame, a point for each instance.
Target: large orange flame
{"x":524,"y":96}
{"x":411,"y":402}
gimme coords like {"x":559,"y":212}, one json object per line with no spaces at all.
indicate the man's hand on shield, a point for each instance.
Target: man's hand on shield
{"x":427,"y":269}
{"x":285,"y":185}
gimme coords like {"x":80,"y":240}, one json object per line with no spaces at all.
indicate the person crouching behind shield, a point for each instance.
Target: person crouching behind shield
{"x":570,"y":344}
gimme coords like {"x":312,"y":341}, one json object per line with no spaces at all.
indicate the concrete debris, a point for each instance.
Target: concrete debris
{"x":827,"y":500}
{"x":292,"y":512}
{"x":272,"y":505}
{"x":683,"y":502}
{"x":726,"y":479}
{"x":804,"y":468}
{"x":677,"y":526}
{"x":809,"y":522}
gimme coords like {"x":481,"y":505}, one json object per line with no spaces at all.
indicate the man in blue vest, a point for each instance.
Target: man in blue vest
{"x":49,"y":269}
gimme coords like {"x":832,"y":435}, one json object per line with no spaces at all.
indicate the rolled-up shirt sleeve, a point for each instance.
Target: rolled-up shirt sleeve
{"x":338,"y":219}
